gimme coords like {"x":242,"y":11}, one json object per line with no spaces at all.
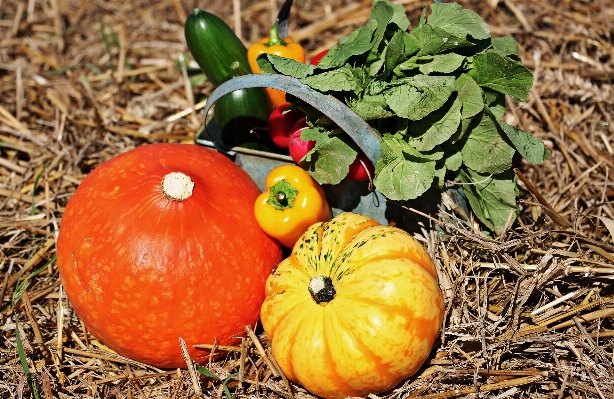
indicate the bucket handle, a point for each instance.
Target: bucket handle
{"x":369,"y":141}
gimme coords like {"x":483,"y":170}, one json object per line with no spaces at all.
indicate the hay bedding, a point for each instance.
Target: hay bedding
{"x":529,"y":314}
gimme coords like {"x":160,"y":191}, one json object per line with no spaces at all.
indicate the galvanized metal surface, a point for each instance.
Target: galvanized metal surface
{"x":357,"y":128}
{"x":346,"y":196}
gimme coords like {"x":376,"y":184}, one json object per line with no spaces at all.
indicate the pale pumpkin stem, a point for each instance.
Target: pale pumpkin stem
{"x":177,"y":186}
{"x":321,"y":289}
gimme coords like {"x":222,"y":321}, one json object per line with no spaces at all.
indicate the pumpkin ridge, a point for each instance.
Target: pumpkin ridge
{"x":147,"y":209}
{"x":364,"y":348}
{"x":346,"y":255}
{"x":403,"y":312}
{"x":338,"y":233}
{"x":366,"y":261}
{"x":310,"y":243}
{"x":288,"y":313}
{"x":421,"y":274}
{"x":147,"y":202}
{"x":289,"y":319}
{"x":339,"y":380}
{"x":396,"y":309}
{"x":278,"y":292}
{"x":295,"y":263}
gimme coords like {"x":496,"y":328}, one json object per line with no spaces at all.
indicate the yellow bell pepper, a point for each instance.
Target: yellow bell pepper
{"x":292,"y":202}
{"x":273,"y":44}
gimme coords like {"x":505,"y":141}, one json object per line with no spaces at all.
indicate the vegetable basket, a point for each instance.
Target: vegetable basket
{"x":426,"y":110}
{"x":355,"y":196}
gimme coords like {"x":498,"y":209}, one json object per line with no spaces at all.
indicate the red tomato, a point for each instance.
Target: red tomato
{"x":280,"y":124}
{"x":298,"y":147}
{"x":147,"y":256}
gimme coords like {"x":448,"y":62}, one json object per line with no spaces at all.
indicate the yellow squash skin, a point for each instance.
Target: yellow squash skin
{"x":382,"y":322}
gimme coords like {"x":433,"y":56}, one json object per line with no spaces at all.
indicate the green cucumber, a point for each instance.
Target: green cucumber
{"x":214,"y":46}
{"x":241,"y":117}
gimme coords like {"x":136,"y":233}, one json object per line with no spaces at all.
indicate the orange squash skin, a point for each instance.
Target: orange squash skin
{"x":142,"y":270}
{"x":382,"y":323}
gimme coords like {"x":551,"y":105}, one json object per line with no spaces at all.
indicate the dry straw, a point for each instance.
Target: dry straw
{"x":528,"y":314}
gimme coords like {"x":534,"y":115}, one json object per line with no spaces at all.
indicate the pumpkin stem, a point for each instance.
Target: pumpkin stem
{"x":321,"y":289}
{"x":177,"y":186}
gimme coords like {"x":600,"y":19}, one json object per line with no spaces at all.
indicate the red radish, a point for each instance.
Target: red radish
{"x":298,"y":147}
{"x":316,"y":59}
{"x":280,"y":124}
{"x":361,"y":168}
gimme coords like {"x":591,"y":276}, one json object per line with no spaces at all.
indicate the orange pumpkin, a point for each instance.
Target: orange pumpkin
{"x":161,"y":242}
{"x":355,"y":309}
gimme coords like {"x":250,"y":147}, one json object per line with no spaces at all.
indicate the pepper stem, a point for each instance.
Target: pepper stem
{"x":282,"y":195}
{"x":177,"y":186}
{"x":321,"y":289}
{"x":274,"y":38}
{"x":281,"y":198}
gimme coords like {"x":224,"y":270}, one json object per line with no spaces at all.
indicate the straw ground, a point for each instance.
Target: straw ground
{"x":529,"y":314}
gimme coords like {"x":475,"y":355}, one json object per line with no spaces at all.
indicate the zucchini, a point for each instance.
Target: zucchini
{"x":241,"y":117}
{"x":214,"y":46}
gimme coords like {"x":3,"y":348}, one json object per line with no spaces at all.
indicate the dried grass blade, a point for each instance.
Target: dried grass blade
{"x":485,"y":388}
{"x":33,"y":261}
{"x":191,"y":369}
{"x":261,"y":351}
{"x":38,"y":336}
{"x":11,"y":121}
{"x":6,"y":279}
{"x":218,"y":347}
{"x":598,"y":314}
{"x":550,"y":211}
{"x":23,"y":359}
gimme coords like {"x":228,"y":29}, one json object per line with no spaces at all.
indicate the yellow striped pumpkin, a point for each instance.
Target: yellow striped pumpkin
{"x":355,"y":309}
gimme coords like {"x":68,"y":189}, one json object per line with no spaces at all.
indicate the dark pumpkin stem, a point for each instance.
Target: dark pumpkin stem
{"x":321,"y":289}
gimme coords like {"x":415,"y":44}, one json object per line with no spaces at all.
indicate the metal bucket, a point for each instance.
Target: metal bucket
{"x":347,"y":196}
